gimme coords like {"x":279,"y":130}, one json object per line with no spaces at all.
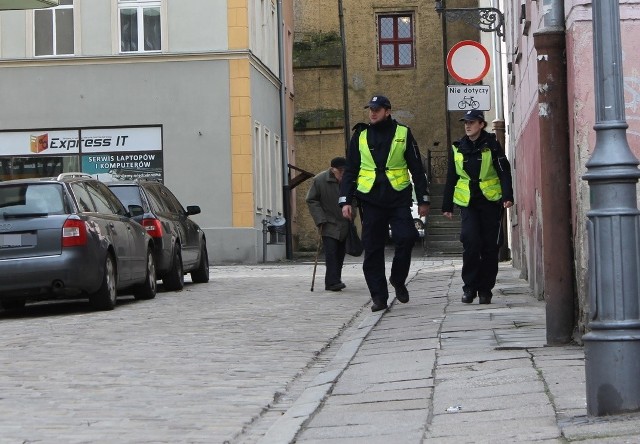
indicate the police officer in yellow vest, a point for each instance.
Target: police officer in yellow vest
{"x":479,"y":182}
{"x":382,"y":162}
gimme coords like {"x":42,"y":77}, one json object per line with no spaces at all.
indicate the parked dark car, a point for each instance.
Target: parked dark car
{"x":70,"y":237}
{"x":180,"y":246}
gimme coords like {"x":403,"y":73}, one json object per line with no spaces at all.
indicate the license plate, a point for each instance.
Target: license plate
{"x":10,"y":240}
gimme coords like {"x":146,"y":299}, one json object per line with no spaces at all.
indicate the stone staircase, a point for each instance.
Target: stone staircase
{"x":442,"y":236}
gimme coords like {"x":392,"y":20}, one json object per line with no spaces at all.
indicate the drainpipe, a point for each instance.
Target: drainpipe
{"x":499,"y":127}
{"x":345,"y":80}
{"x":445,"y":50}
{"x":557,"y":249}
{"x":286,"y":188}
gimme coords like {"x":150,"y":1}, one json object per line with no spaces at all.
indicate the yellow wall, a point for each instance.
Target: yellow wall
{"x":240,"y":108}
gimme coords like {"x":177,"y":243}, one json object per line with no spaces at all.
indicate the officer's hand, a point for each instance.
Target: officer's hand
{"x":507,"y":204}
{"x":346,"y":212}
{"x":423,"y":209}
{"x":447,"y":214}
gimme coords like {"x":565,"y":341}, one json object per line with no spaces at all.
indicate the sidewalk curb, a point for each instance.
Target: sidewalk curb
{"x":287,"y":427}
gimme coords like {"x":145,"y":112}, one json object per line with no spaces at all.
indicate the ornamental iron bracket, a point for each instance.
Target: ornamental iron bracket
{"x":483,"y":19}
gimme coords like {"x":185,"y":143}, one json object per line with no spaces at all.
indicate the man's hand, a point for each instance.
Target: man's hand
{"x":347,"y":212}
{"x":423,"y":209}
{"x":507,"y":204}
{"x":448,"y":215}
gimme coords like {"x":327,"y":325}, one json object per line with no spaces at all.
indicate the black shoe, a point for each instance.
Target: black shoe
{"x":402,"y":294}
{"x":377,"y":306}
{"x":484,"y":297}
{"x":468,"y":296}
{"x":335,"y":287}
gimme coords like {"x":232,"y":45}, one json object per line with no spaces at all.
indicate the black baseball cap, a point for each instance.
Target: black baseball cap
{"x":338,"y":162}
{"x":474,"y":114}
{"x":379,"y":101}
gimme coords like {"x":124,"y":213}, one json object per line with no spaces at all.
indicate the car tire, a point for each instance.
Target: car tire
{"x":418,"y":224}
{"x":201,"y":274}
{"x":105,"y":297}
{"x":17,"y":304}
{"x":174,"y":279}
{"x":148,"y":289}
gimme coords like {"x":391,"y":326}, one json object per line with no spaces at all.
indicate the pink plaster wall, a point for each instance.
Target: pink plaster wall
{"x":524,"y":136}
{"x":581,"y":97}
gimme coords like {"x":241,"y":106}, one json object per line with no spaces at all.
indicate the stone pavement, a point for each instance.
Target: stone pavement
{"x":436,"y":370}
{"x":255,"y":357}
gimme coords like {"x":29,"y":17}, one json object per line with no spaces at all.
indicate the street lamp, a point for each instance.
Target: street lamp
{"x":612,"y":347}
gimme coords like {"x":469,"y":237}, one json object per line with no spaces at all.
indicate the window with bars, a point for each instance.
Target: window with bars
{"x":53,"y":30}
{"x":140,"y":25}
{"x":395,"y":41}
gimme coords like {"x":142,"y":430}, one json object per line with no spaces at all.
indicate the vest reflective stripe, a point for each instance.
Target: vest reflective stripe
{"x":489,"y":180}
{"x":396,"y":167}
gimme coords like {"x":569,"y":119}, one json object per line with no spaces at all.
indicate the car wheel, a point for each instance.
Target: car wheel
{"x":174,"y":279}
{"x":419,"y":224}
{"x":201,"y":274}
{"x":105,"y":297}
{"x":147,"y":290}
{"x":13,"y":305}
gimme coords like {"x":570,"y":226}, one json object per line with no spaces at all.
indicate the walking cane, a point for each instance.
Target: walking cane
{"x":315,"y":265}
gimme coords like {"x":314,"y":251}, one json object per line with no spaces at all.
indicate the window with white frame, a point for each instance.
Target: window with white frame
{"x":277,"y":176}
{"x":267,"y":173}
{"x":140,"y":25}
{"x":264,"y":32}
{"x":53,"y":30}
{"x":258,"y":170}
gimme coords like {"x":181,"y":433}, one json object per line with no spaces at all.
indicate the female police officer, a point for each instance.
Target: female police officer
{"x":479,"y":182}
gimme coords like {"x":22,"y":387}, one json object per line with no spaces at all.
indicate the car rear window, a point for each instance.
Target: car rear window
{"x":128,"y":195}
{"x":31,"y":199}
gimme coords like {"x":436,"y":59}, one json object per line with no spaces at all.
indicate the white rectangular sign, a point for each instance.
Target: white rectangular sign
{"x":39,"y":143}
{"x":109,"y":140}
{"x":468,"y":97}
{"x":90,"y":141}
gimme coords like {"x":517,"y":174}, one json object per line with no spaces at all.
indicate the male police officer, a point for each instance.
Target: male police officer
{"x":380,"y":157}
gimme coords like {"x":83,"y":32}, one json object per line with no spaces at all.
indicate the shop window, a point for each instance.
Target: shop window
{"x":24,"y":167}
{"x":395,"y":41}
{"x":53,"y":30}
{"x":140,"y":25}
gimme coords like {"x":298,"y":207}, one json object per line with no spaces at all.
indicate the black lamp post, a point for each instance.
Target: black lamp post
{"x":612,"y":347}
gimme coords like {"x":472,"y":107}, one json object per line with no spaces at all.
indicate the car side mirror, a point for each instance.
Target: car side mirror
{"x":193,"y":209}
{"x":135,"y":210}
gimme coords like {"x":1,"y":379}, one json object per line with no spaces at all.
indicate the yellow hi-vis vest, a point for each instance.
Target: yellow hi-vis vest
{"x":489,"y":180}
{"x":396,"y":167}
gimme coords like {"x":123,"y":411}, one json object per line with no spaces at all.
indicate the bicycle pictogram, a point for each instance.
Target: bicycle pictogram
{"x":468,"y":102}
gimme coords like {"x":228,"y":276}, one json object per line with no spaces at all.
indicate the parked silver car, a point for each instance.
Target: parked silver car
{"x":70,"y":237}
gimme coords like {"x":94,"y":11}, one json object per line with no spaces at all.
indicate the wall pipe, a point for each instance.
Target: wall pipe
{"x":555,"y":176}
{"x":345,"y":80}
{"x":286,"y":188}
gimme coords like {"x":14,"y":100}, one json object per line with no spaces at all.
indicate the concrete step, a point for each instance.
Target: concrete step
{"x":443,"y":247}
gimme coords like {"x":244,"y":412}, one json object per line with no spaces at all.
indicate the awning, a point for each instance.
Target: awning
{"x":6,"y":5}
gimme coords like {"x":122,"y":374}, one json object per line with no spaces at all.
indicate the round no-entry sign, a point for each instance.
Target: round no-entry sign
{"x":468,"y":62}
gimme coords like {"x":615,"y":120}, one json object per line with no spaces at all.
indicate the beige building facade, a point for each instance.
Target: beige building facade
{"x":395,"y":48}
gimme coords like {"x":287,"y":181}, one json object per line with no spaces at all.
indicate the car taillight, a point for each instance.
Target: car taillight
{"x":74,"y":233}
{"x":153,"y":227}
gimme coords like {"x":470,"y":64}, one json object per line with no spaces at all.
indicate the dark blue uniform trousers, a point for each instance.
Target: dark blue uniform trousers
{"x":375,"y":228}
{"x":334,"y":252}
{"x":481,"y":240}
